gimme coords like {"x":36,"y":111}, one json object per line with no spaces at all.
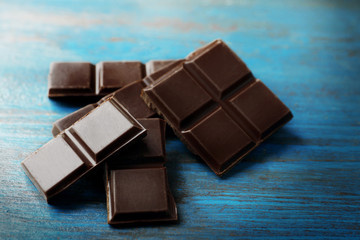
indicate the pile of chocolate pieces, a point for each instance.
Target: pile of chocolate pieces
{"x":211,"y":100}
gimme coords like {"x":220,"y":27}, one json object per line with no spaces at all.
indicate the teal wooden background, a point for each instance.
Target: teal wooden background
{"x":302,"y":183}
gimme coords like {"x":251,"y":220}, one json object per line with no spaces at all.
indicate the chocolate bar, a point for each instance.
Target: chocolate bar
{"x":81,"y":147}
{"x":216,"y":106}
{"x":136,"y":180}
{"x":128,"y":96}
{"x":83,"y":79}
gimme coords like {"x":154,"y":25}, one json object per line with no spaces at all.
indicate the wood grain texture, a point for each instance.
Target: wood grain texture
{"x":302,"y":183}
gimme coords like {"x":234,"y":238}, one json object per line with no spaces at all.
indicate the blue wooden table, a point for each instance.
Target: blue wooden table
{"x":302,"y":183}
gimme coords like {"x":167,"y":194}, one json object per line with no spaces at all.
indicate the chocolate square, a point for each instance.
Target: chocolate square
{"x":71,"y":79}
{"x":114,"y":75}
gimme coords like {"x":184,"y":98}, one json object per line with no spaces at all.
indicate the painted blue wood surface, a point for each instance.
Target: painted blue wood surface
{"x":302,"y":183}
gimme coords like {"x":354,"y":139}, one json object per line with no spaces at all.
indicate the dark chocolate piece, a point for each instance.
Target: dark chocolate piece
{"x":150,"y":150}
{"x":155,"y":65}
{"x":128,"y":97}
{"x":81,"y":147}
{"x":139,"y":195}
{"x":69,"y":79}
{"x":115,"y":75}
{"x":216,"y":106}
{"x":150,"y":78}
{"x":136,"y":180}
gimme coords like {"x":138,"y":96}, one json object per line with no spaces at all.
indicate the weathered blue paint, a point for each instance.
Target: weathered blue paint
{"x":302,"y":183}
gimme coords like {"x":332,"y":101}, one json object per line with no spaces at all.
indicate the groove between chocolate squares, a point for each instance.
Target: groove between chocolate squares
{"x":148,"y":102}
{"x":177,"y":133}
{"x":79,"y":147}
{"x":236,"y":158}
{"x":240,"y":85}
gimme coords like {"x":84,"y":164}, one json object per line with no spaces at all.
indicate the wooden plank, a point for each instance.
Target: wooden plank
{"x":302,"y":183}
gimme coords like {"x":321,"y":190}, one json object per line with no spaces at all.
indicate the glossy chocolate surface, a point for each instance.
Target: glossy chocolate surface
{"x":137,"y":185}
{"x":155,"y":65}
{"x":150,"y":150}
{"x":69,"y":79}
{"x":216,"y":106}
{"x":139,"y":195}
{"x":81,"y":147}
{"x":114,"y":75}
